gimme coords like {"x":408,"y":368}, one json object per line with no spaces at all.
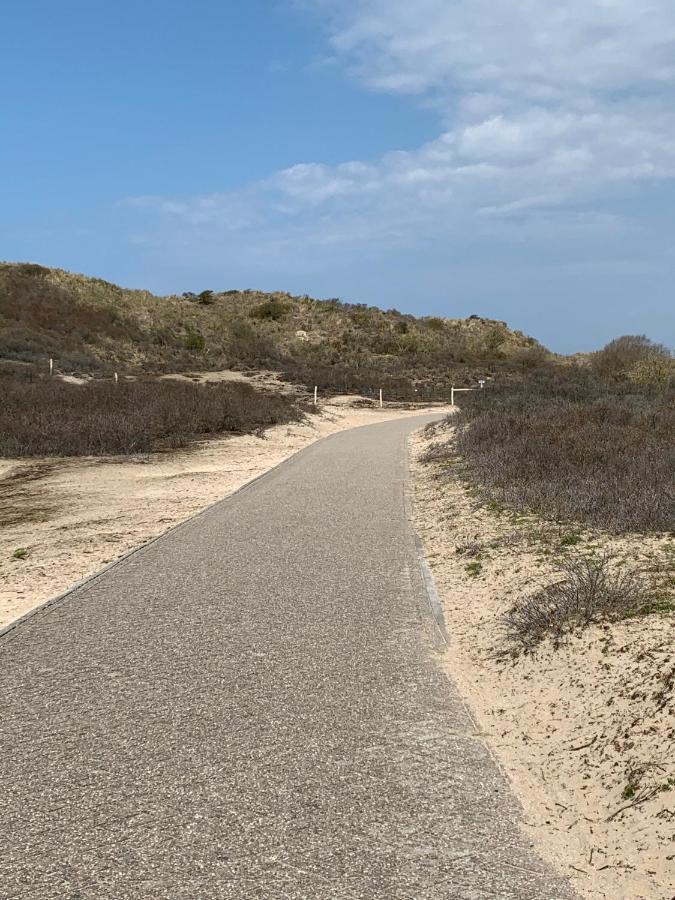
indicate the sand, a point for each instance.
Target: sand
{"x":64,"y":519}
{"x":574,"y":727}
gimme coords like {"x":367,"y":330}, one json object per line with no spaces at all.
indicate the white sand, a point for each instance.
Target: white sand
{"x":570,"y":727}
{"x":72,"y":516}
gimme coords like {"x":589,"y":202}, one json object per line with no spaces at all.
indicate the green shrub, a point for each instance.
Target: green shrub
{"x":246,"y":346}
{"x":269,"y":311}
{"x":194,"y":340}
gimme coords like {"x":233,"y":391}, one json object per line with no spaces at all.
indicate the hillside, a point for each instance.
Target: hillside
{"x":91,"y":326}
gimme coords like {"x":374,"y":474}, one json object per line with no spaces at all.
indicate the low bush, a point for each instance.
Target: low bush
{"x":343,"y":378}
{"x":568,"y":444}
{"x":269,"y":311}
{"x":588,"y":591}
{"x":194,"y":340}
{"x":47,"y":417}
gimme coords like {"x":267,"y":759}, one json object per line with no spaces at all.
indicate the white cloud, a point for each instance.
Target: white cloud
{"x":543,"y":106}
{"x":542,"y":49}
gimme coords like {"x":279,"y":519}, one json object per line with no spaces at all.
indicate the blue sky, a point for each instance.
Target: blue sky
{"x":511,"y":158}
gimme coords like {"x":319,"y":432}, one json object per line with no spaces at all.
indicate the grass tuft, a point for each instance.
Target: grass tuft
{"x":588,"y":591}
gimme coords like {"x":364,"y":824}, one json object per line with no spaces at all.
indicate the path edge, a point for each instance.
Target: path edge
{"x":427,"y":576}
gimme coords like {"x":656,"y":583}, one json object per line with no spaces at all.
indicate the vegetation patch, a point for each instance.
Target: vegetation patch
{"x":89,"y":326}
{"x":47,"y":417}
{"x":574,"y":444}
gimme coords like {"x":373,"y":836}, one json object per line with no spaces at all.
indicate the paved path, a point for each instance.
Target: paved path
{"x":251,"y":707}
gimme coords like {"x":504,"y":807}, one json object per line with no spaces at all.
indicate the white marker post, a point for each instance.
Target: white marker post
{"x":380,"y":398}
{"x":116,"y":378}
{"x":316,"y":395}
{"x":51,"y":366}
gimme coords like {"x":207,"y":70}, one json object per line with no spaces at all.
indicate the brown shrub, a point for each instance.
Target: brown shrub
{"x":47,"y":417}
{"x":569,"y":445}
{"x":342,"y":378}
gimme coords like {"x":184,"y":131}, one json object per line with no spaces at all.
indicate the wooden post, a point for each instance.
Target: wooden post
{"x":452,"y":395}
{"x":316,"y":394}
{"x":51,"y":366}
{"x":380,"y":398}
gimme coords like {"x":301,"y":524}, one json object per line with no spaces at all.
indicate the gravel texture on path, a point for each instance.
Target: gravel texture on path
{"x":253,"y":706}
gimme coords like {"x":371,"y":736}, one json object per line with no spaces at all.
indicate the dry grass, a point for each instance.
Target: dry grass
{"x":47,"y":417}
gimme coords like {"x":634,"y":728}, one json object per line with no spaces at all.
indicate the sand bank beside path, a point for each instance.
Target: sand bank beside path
{"x":62,"y":520}
{"x":585,"y":732}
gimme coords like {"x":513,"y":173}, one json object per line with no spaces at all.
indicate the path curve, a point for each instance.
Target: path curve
{"x":252,"y":707}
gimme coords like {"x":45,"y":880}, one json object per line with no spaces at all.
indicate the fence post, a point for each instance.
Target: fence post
{"x":116,"y":378}
{"x":316,"y":394}
{"x":51,"y":366}
{"x":380,"y":398}
{"x":452,"y":395}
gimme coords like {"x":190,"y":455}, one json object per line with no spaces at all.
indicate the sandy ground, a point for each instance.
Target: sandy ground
{"x":64,"y":519}
{"x":582,"y":731}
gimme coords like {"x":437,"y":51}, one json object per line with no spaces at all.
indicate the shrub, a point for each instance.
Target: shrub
{"x":247,"y":347}
{"x":48,"y":417}
{"x":437,"y":451}
{"x":342,"y":378}
{"x":529,"y":358}
{"x":194,"y":340}
{"x":653,"y":371}
{"x":567,"y":444}
{"x":34,"y":304}
{"x":269,"y":311}
{"x":588,"y":591}
{"x":494,"y":338}
{"x":625,"y":354}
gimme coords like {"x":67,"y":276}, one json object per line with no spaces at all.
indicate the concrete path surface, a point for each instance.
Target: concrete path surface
{"x":252,"y":707}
